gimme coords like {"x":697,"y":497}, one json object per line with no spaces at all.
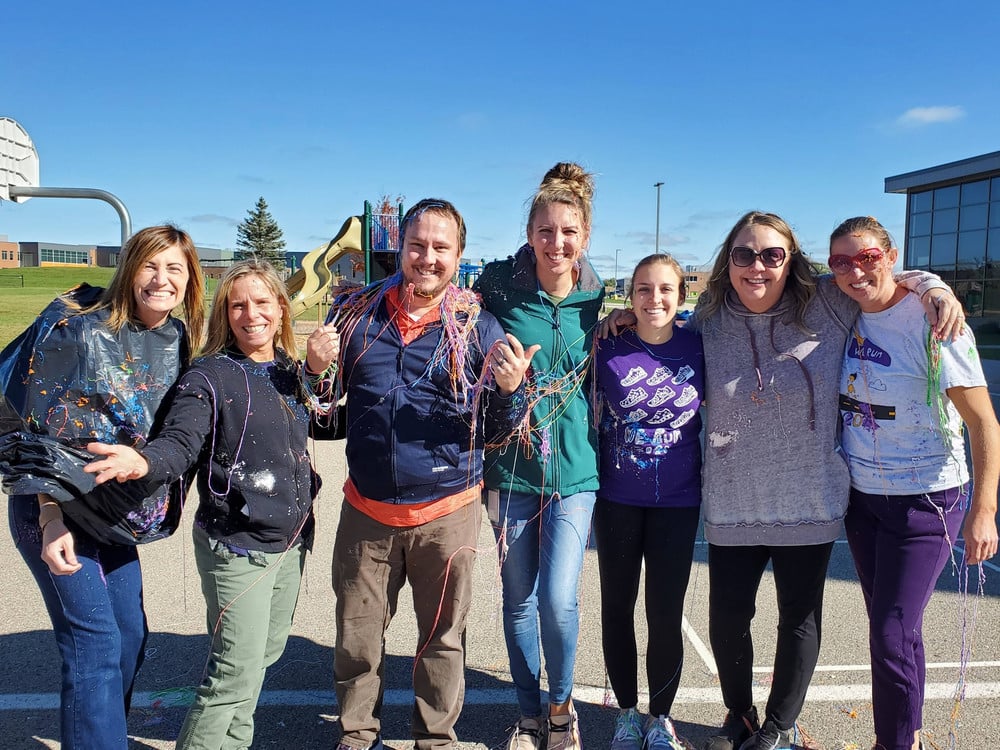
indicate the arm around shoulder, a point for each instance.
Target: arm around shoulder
{"x":980,"y":530}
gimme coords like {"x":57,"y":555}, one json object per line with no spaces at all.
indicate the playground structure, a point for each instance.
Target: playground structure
{"x":373,"y":241}
{"x":370,"y":241}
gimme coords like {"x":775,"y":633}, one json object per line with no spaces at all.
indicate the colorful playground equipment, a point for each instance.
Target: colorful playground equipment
{"x":372,"y":239}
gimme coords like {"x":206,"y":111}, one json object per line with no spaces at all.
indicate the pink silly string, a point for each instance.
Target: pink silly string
{"x":440,"y":607}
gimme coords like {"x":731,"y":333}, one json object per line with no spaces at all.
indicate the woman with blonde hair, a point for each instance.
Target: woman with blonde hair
{"x":97,"y":363}
{"x":541,"y":489}
{"x":241,"y":414}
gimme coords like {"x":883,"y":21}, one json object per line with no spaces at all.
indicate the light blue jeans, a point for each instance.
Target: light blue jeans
{"x":541,"y":542}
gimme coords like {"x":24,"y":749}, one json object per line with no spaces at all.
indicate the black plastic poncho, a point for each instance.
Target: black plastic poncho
{"x":69,"y":380}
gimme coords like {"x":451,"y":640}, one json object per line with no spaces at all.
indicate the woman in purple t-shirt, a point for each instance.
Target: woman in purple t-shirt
{"x":650,"y":384}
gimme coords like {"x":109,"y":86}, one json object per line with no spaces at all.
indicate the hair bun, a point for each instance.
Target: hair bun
{"x":570,"y":176}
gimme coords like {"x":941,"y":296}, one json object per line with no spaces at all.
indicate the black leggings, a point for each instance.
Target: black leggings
{"x":734,"y":577}
{"x":663,"y":537}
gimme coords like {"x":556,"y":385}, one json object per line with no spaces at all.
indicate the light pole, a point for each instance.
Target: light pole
{"x":616,"y":270}
{"x":658,"y":185}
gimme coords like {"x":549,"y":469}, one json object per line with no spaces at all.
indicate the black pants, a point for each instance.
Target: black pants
{"x":799,"y":577}
{"x":663,"y":537}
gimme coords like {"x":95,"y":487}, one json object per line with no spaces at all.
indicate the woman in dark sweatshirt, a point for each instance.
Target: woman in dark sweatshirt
{"x":241,"y":414}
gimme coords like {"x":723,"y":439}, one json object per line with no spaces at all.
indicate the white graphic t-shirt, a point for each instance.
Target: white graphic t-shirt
{"x":901,"y":433}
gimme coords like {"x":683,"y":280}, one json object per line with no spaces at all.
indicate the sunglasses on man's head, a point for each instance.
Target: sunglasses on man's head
{"x":771,"y":257}
{"x":866,"y":260}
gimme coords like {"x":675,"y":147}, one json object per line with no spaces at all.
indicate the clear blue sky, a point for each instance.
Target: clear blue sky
{"x":190,"y":111}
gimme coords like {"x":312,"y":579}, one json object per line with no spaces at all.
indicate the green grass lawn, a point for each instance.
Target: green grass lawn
{"x":24,"y":292}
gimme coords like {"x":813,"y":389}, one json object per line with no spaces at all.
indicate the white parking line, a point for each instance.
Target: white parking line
{"x":474,"y":697}
{"x":867,"y":667}
{"x":699,"y":646}
{"x":986,"y":563}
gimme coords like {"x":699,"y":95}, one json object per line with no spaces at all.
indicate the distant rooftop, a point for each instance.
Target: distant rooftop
{"x":951,"y":172}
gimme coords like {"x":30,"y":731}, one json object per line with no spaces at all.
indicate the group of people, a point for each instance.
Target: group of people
{"x":828,"y":401}
{"x":811,"y":425}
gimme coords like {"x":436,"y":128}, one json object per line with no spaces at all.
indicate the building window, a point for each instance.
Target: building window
{"x":972,"y":249}
{"x":943,"y":252}
{"x":60,"y":255}
{"x":921,"y":202}
{"x":975,"y":192}
{"x":953,"y":229}
{"x":945,"y":220}
{"x":918,"y":244}
{"x":946,"y":197}
{"x":919,"y":252}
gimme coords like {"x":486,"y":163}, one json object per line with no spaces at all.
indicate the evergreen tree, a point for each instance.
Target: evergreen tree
{"x":259,"y":236}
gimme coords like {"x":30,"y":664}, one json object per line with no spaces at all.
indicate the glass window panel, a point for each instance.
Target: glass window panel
{"x":920,"y":224}
{"x":995,"y":189}
{"x":920,"y":202}
{"x":918,"y":252}
{"x":946,"y":221}
{"x":943,"y":250}
{"x":975,"y":192}
{"x":995,"y":213}
{"x":991,"y":298}
{"x":947,"y":274}
{"x":972,"y":248}
{"x":993,"y":246}
{"x":970,"y":294}
{"x":973,"y":217}
{"x":946,"y":197}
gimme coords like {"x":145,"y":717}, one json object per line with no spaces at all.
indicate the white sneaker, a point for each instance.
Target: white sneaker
{"x":564,"y":732}
{"x":660,"y":735}
{"x":527,"y":734}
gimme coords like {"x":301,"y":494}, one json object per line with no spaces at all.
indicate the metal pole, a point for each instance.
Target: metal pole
{"x":58,"y":192}
{"x":366,"y":242}
{"x":616,"y":270}
{"x":658,"y":185}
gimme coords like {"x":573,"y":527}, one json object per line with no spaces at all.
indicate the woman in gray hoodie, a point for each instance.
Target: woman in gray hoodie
{"x":775,"y":482}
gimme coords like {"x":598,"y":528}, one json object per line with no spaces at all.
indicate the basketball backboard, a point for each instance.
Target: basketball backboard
{"x":18,"y":160}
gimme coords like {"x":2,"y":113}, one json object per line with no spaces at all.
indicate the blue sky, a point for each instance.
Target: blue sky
{"x":190,"y":111}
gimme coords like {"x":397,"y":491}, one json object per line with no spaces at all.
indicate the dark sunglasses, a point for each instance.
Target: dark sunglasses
{"x":865,"y":259}
{"x":771,"y":257}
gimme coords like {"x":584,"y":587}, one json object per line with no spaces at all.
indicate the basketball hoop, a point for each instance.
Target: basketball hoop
{"x":18,"y":160}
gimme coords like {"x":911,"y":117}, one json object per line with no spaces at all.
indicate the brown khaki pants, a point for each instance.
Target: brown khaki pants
{"x":371,"y":562}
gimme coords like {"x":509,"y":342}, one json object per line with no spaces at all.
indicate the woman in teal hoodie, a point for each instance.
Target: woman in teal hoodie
{"x":541,"y":488}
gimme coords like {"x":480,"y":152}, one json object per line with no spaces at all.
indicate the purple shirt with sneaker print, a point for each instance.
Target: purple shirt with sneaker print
{"x":648,"y":398}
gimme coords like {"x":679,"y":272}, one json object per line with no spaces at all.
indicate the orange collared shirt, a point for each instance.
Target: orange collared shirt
{"x":404,"y":515}
{"x":408,"y":328}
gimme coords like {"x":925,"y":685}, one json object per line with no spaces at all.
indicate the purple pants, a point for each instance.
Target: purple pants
{"x":900,"y":544}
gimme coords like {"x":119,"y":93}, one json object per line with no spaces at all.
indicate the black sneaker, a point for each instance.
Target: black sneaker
{"x":769,"y":738}
{"x":736,"y":729}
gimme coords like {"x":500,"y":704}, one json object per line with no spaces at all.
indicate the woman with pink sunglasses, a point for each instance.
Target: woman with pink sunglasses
{"x":904,"y":396}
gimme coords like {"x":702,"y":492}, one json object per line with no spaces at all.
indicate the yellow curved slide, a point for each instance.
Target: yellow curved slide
{"x":307,"y":286}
